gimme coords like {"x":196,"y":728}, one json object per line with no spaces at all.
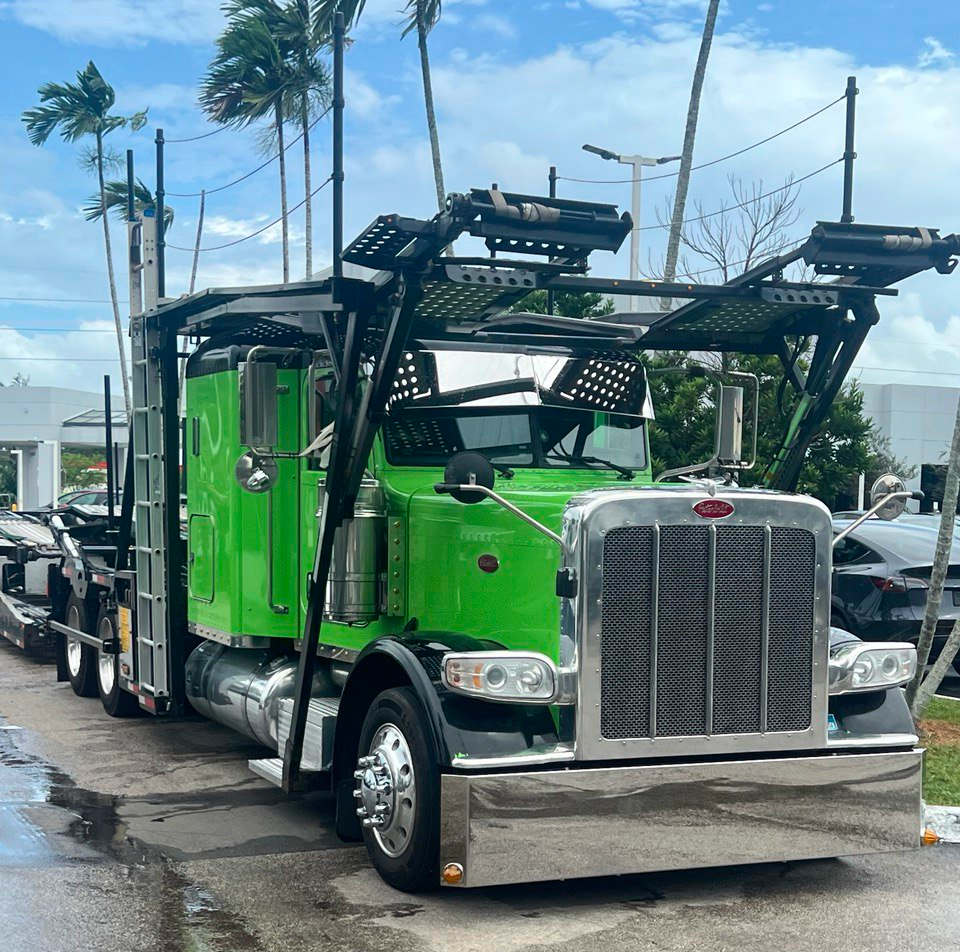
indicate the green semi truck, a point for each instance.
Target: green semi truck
{"x":427,"y":564}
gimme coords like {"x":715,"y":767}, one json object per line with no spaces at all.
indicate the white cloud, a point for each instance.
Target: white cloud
{"x":491,"y":23}
{"x":935,"y":53}
{"x":120,"y":22}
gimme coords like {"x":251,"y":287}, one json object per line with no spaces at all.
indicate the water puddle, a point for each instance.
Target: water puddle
{"x":47,"y":820}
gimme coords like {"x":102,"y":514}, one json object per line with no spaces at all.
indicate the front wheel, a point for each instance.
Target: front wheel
{"x":116,"y":702}
{"x":398,"y":792}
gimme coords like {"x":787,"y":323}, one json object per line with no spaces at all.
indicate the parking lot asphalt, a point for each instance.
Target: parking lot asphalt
{"x":136,"y":834}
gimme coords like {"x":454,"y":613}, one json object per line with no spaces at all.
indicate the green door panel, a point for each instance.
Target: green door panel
{"x":202,"y":558}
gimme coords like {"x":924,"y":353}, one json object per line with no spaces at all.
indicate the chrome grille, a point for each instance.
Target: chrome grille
{"x":706,"y":630}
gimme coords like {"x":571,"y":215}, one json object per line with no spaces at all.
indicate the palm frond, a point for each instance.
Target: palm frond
{"x":115,"y":198}
{"x":431,"y":15}
{"x":77,"y":109}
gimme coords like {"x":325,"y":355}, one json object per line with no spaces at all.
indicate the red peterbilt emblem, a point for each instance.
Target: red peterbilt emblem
{"x":713,"y":508}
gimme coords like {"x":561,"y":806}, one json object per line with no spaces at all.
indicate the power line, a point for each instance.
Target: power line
{"x":63,"y":300}
{"x":755,"y":198}
{"x":221,"y":188}
{"x":69,"y":360}
{"x":705,"y":165}
{"x":206,"y":135}
{"x":259,"y":231}
{"x":62,"y":330}
{"x":925,"y":373}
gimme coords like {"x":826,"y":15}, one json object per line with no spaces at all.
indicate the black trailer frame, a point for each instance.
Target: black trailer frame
{"x":417,"y":295}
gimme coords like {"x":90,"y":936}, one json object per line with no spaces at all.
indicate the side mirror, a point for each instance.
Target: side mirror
{"x":884,"y":486}
{"x":258,"y":404}
{"x":466,"y":469}
{"x":730,"y":422}
{"x":255,"y":474}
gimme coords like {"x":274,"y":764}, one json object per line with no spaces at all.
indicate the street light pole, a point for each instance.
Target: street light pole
{"x":636,"y":163}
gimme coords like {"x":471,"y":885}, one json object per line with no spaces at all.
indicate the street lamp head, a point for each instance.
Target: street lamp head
{"x":603,"y":153}
{"x":668,"y":158}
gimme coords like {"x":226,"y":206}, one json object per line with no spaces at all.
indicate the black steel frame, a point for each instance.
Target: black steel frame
{"x":371,"y":322}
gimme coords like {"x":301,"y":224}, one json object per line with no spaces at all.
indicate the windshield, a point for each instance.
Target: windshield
{"x":520,"y":410}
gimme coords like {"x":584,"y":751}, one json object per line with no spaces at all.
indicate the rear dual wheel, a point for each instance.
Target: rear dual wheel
{"x":80,"y":659}
{"x":116,"y":702}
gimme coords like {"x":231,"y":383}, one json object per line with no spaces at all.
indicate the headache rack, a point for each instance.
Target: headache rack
{"x":413,"y":296}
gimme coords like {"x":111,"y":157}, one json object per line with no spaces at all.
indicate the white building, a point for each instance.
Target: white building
{"x":917,"y":420}
{"x":36,"y":422}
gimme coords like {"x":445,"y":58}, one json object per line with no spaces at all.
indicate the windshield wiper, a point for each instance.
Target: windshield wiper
{"x":622,"y":470}
{"x":505,"y":471}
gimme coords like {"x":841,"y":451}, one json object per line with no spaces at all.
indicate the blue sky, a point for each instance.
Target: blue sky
{"x":519,"y":85}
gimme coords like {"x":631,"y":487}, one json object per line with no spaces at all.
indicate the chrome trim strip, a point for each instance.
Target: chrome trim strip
{"x":232,"y":640}
{"x":558,"y":754}
{"x":765,"y":626}
{"x":711,"y":621}
{"x":566,"y":824}
{"x":841,"y":739}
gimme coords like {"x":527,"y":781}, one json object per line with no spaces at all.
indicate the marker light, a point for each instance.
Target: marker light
{"x":452,"y":874}
{"x":514,"y":676}
{"x":871,"y":666}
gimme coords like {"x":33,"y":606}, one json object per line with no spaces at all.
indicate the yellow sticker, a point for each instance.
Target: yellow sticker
{"x":125,"y":626}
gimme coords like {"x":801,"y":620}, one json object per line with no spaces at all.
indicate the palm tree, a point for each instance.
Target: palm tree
{"x":296,"y":29}
{"x":115,"y":199}
{"x":419,"y":15}
{"x":250,"y":78}
{"x":686,"y":158}
{"x":79,"y":110}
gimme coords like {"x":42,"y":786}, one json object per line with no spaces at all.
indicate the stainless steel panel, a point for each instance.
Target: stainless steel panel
{"x":565,"y":824}
{"x":694,"y":636}
{"x":355,"y":587}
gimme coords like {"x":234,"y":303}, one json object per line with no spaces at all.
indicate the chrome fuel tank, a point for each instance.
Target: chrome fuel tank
{"x":242,"y":688}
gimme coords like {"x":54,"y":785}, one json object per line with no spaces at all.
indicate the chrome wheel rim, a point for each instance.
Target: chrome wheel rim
{"x":106,"y":663}
{"x":387,"y":790}
{"x":74,"y":646}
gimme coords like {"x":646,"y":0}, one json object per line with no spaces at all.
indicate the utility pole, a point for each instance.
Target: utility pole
{"x":636,"y":164}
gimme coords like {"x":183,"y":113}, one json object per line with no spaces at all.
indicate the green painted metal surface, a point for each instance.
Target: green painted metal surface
{"x":237,"y":565}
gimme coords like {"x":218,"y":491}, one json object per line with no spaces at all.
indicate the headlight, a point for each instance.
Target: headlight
{"x":502,"y":676}
{"x":871,"y":666}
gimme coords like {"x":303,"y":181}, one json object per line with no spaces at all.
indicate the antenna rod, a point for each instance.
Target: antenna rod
{"x":111,"y":472}
{"x":848,"y":151}
{"x":339,"y":30}
{"x":131,"y":208}
{"x":552,"y":179}
{"x":161,"y":196}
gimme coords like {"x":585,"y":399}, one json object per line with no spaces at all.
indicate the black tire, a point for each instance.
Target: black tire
{"x":415,"y":865}
{"x":79,"y":660}
{"x":116,"y":702}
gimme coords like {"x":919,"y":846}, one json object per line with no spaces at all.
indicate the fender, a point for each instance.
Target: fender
{"x":457,"y":724}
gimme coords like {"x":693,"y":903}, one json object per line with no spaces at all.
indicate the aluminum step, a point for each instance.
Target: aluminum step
{"x":317,"y":739}
{"x":270,"y":768}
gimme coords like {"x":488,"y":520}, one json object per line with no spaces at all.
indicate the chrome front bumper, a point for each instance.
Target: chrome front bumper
{"x":567,"y":824}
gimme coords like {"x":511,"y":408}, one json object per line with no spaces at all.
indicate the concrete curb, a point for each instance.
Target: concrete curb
{"x":944,"y":821}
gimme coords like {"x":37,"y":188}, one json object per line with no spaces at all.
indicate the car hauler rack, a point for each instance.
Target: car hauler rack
{"x":573,"y":671}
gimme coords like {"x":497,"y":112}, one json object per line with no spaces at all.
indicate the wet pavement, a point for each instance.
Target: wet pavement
{"x":123,"y":835}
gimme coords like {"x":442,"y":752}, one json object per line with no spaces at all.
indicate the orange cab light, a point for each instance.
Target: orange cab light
{"x":452,"y":874}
